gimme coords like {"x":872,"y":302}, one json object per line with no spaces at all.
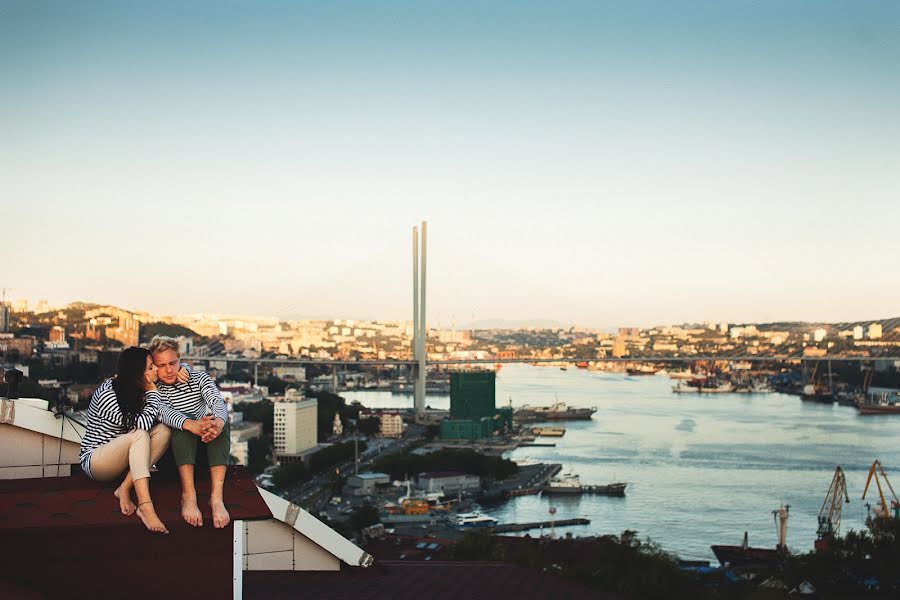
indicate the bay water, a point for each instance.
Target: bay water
{"x":700,"y":469}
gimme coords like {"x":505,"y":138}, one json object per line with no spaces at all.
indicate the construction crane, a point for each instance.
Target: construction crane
{"x":881,"y":509}
{"x":830,"y":513}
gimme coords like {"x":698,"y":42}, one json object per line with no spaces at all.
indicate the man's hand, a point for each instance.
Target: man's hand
{"x":213,"y":428}
{"x":198,"y":426}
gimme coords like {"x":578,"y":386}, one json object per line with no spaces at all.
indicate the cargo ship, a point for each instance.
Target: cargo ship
{"x":571,"y":485}
{"x":880,"y":401}
{"x":555,"y":412}
{"x":744,"y":556}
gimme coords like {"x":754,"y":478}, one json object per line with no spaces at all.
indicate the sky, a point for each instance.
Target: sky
{"x":598,"y":163}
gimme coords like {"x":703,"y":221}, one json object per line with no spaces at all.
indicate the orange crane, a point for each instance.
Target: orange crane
{"x":830,"y":513}
{"x":881,"y":509}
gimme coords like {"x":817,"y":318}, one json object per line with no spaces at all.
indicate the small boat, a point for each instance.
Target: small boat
{"x":473,"y":520}
{"x":681,"y":388}
{"x":582,"y":365}
{"x":722,"y":388}
{"x":681,"y":375}
{"x":549,"y":431}
{"x":642,"y":370}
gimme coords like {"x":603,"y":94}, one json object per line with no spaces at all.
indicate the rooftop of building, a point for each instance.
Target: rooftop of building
{"x":371,"y":475}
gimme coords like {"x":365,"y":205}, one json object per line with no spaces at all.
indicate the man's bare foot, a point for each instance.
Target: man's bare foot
{"x":125,"y":504}
{"x":190,"y":512}
{"x":220,"y":515}
{"x":148,"y":515}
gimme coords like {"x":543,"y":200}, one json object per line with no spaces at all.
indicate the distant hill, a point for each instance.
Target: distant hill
{"x":514,"y":324}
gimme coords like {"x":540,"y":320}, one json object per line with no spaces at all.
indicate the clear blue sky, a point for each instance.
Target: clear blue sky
{"x":601,"y":163}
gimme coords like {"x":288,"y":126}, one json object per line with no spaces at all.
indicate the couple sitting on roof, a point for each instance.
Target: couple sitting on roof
{"x":131,"y":418}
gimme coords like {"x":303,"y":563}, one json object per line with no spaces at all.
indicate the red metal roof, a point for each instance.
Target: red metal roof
{"x":417,"y":580}
{"x":66,"y":537}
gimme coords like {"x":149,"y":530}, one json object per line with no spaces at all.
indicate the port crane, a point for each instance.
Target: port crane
{"x":830,"y":513}
{"x":881,"y":509}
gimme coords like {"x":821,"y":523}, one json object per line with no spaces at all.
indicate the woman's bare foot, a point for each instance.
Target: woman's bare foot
{"x":148,"y":515}
{"x":190,"y":512}
{"x":125,"y":504}
{"x":220,"y":515}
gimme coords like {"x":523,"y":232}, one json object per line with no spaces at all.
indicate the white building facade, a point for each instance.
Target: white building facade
{"x":295,"y":425}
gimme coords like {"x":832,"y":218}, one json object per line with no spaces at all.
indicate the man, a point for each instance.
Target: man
{"x":196,"y":412}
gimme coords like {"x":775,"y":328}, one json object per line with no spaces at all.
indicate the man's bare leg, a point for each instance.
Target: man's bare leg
{"x":220,"y":515}
{"x":190,"y":512}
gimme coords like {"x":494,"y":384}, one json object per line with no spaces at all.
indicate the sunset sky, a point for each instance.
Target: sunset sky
{"x":598,"y":163}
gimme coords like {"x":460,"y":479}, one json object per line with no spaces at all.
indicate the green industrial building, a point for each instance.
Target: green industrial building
{"x":472,"y":394}
{"x":473,"y":412}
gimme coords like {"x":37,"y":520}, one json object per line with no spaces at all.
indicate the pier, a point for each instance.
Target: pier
{"x":509,"y":527}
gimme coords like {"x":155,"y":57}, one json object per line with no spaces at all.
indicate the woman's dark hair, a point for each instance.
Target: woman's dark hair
{"x":129,"y":384}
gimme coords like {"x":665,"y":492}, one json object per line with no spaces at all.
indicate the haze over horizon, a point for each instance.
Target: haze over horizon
{"x":589,"y":163}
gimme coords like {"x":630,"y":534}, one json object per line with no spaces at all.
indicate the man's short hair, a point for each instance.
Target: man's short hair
{"x":161,"y":343}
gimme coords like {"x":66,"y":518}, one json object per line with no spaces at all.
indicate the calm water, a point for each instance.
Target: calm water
{"x":700,"y":469}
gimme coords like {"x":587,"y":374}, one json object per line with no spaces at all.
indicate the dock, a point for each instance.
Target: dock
{"x":538,"y":445}
{"x":509,"y":527}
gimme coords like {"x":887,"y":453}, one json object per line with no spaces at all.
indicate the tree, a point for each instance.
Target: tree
{"x":370,"y":426}
{"x":287,"y":475}
{"x":262,"y":412}
{"x":364,"y":516}
{"x":258,"y":454}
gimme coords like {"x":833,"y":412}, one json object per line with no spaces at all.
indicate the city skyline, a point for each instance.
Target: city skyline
{"x":589,"y":164}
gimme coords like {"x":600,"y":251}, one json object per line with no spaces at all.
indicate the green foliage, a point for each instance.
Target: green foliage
{"x":169,"y":329}
{"x":276,"y":386}
{"x":262,"y":411}
{"x":287,"y":475}
{"x":328,"y":457}
{"x":258,"y":450}
{"x":873,"y":554}
{"x":363,"y":516}
{"x":328,"y":404}
{"x":369,"y":426}
{"x":477,"y":545}
{"x":398,"y":466}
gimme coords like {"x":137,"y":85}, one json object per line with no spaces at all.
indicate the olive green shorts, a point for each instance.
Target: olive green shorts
{"x":184,"y":447}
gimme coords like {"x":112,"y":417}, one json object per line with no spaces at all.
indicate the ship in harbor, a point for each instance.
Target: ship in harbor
{"x":744,"y":556}
{"x":473,"y":520}
{"x":880,"y":401}
{"x":571,"y":485}
{"x":555,"y":412}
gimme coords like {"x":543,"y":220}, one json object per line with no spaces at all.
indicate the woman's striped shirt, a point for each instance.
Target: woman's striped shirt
{"x":192,"y":400}
{"x":105,"y":421}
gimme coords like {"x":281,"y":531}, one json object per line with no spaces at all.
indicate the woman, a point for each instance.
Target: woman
{"x":123,"y":436}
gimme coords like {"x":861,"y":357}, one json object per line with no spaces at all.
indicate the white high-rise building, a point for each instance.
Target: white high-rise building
{"x":875,"y":331}
{"x":295,"y":424}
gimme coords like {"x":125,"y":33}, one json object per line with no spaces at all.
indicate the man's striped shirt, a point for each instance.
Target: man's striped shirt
{"x":192,"y":400}
{"x":105,"y":421}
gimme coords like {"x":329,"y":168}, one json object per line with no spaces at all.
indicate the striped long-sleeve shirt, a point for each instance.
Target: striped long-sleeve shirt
{"x":105,"y":420}
{"x":192,"y":400}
